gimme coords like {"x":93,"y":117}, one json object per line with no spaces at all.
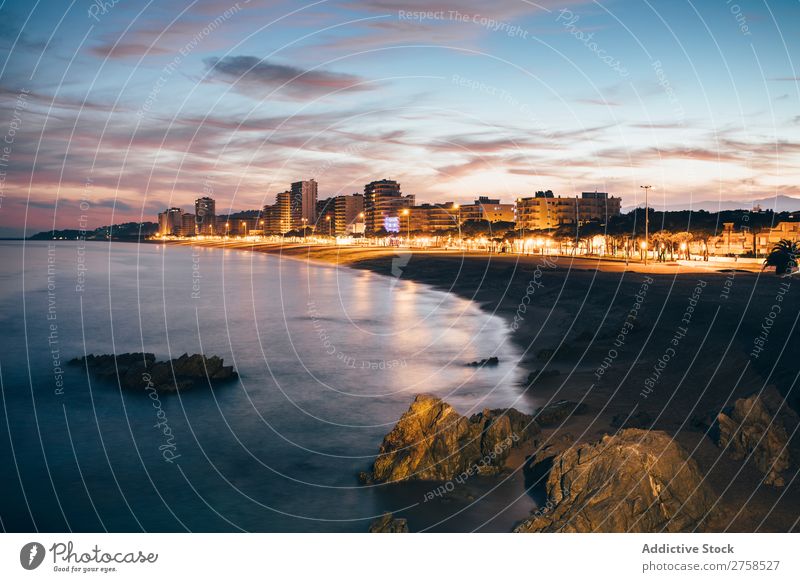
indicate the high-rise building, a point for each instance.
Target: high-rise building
{"x":188,"y":224}
{"x":383,"y":205}
{"x":304,"y":203}
{"x":278,"y":217}
{"x":545,"y":210}
{"x":324,"y":212}
{"x":348,"y":214}
{"x":205,"y":210}
{"x":169,"y":222}
{"x":485,"y":208}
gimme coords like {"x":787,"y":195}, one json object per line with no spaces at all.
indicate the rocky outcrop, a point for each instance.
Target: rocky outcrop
{"x":491,"y":362}
{"x":634,"y":481}
{"x":138,"y":371}
{"x":558,"y":412}
{"x":387,"y":523}
{"x":432,"y":441}
{"x":760,"y":427}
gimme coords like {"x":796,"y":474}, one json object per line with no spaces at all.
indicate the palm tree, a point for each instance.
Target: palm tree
{"x":783,"y":256}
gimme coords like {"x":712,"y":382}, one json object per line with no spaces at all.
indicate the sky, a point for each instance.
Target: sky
{"x":112,"y":111}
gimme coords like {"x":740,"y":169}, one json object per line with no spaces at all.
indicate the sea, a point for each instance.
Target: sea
{"x":328,"y":360}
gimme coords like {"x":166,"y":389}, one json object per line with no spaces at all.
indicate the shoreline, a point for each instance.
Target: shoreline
{"x":564,"y":314}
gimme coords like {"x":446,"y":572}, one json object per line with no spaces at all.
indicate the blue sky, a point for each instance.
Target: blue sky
{"x":136,"y":106}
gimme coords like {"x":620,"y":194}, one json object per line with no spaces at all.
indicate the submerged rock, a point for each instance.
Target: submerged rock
{"x":138,"y":371}
{"x":431,"y":441}
{"x":493,"y":361}
{"x":634,"y":481}
{"x":387,"y":523}
{"x":759,"y":427}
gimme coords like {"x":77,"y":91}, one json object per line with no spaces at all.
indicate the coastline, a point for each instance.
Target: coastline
{"x":564,"y":314}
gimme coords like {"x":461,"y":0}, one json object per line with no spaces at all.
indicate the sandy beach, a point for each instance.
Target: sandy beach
{"x":687,"y":351}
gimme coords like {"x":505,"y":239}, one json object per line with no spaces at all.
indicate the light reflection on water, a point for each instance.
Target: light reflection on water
{"x":329,"y":359}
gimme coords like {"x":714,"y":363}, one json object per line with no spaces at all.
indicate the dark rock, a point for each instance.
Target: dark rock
{"x":493,"y":361}
{"x":704,"y":422}
{"x":639,"y":419}
{"x":389,"y":524}
{"x":634,"y":481}
{"x":759,"y":427}
{"x":557,"y":412}
{"x":431,"y":441}
{"x":137,"y":371}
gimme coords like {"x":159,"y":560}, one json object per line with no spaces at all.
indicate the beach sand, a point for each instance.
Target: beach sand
{"x":685,"y":356}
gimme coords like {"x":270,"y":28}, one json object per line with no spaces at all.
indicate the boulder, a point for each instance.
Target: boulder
{"x":387,"y":523}
{"x":759,"y":427}
{"x":634,"y":481}
{"x":433,"y":442}
{"x":137,"y":371}
{"x":558,"y":412}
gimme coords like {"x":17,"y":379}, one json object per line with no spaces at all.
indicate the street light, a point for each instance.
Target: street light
{"x":328,"y":218}
{"x":458,"y":219}
{"x":407,"y":214}
{"x":227,"y":224}
{"x":646,"y":220}
{"x":244,"y":226}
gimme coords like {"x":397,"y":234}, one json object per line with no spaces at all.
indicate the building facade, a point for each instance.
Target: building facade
{"x":169,"y":222}
{"x":188,"y":224}
{"x":545,"y":211}
{"x":278,"y":217}
{"x":430,"y":218}
{"x":205,"y":210}
{"x":383,"y":205}
{"x":748,"y":242}
{"x":348,"y":213}
{"x":304,"y":203}
{"x":485,"y":208}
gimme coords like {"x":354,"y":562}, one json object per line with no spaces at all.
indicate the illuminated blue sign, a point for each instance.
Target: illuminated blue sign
{"x":391,"y":224}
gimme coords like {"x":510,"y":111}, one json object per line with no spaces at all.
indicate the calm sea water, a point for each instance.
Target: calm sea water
{"x":329,"y":359}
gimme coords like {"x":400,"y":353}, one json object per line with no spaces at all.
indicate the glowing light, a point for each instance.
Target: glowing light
{"x":643,"y":244}
{"x":683,"y":246}
{"x":391,"y":224}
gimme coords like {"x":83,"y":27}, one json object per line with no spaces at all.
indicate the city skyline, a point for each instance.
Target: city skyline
{"x":236,"y":99}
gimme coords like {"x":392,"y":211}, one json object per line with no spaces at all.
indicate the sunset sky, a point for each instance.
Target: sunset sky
{"x":142,"y":105}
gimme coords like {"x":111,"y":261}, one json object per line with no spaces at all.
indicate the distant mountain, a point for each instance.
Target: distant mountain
{"x":778,"y":203}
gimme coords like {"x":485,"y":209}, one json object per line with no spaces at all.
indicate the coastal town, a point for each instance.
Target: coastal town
{"x":591,"y":223}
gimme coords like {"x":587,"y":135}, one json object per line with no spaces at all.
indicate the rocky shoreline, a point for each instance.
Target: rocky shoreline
{"x":140,"y":371}
{"x":612,"y":349}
